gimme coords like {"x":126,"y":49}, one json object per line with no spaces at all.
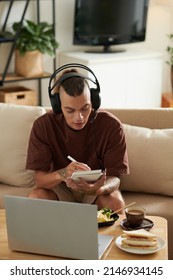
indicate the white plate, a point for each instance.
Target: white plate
{"x":161,"y":244}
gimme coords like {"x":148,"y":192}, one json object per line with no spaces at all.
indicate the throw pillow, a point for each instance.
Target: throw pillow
{"x":150,"y":154}
{"x":15,"y":126}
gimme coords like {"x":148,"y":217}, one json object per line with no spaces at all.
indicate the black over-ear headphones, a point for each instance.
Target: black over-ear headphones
{"x":54,"y":98}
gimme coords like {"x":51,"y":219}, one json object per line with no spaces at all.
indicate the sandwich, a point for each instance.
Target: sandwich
{"x":139,"y":239}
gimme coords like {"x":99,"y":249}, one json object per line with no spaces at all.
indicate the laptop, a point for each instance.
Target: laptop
{"x":56,"y":228}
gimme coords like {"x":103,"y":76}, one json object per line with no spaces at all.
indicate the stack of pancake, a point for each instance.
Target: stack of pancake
{"x":139,"y":239}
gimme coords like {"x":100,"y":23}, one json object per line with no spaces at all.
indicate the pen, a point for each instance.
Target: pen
{"x":72,"y":159}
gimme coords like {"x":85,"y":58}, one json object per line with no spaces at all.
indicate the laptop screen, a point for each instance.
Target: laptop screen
{"x":63,"y":229}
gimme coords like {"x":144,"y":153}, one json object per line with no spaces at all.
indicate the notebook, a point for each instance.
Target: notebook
{"x":56,"y":228}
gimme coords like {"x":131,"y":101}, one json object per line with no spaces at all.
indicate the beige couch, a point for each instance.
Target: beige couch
{"x":149,"y":135}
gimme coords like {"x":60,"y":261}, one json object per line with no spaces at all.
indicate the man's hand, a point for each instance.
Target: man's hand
{"x":66,"y":172}
{"x":111,"y":184}
{"x":85,"y":187}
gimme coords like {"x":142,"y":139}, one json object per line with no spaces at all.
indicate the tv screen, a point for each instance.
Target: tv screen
{"x":109,"y":22}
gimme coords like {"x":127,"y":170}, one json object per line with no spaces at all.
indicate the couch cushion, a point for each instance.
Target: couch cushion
{"x":12,"y":190}
{"x":150,"y":154}
{"x":15,"y":126}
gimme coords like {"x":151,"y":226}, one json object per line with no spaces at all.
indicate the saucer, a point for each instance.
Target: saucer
{"x":146,"y":224}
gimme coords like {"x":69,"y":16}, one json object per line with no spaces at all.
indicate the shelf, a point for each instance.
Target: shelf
{"x":12,"y":77}
{"x":6,"y":40}
{"x":5,"y":76}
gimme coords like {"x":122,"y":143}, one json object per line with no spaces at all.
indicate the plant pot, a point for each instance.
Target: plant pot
{"x":30,"y":64}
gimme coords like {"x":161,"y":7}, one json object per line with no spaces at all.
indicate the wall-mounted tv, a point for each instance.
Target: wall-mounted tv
{"x":109,"y":22}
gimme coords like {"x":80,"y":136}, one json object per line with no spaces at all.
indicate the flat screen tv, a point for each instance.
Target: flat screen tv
{"x":109,"y":22}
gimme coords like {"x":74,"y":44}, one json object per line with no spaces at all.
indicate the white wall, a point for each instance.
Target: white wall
{"x":160,"y":24}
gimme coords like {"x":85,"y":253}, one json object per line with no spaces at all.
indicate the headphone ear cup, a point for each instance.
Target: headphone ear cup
{"x":55,"y":103}
{"x":95,"y":98}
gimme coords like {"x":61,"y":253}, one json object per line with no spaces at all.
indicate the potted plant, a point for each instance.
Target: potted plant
{"x":170,"y":61}
{"x":34,"y":40}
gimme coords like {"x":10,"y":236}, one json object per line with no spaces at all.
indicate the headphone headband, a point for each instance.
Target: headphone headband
{"x":70,"y":65}
{"x":54,"y":98}
{"x":70,"y":75}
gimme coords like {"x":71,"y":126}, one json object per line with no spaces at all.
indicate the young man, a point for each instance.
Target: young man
{"x":94,"y":138}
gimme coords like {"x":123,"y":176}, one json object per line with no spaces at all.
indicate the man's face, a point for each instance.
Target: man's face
{"x":76,"y":109}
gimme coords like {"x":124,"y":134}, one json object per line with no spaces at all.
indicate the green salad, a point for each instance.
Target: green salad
{"x":104,"y":215}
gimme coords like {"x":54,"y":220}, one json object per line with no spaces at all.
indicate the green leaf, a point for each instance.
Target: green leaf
{"x":35,"y":36}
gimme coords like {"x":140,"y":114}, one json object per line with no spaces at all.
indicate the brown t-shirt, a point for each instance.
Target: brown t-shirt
{"x":100,"y":144}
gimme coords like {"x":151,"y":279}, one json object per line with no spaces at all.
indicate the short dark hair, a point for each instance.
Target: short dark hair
{"x":73,"y":86}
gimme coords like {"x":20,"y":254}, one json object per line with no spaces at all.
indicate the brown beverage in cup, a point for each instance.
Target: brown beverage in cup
{"x":135,"y":216}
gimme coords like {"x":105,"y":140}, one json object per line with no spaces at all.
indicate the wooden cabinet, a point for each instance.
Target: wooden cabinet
{"x":132,"y":79}
{"x":167,"y":100}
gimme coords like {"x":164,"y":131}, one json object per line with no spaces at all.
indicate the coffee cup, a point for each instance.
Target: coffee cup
{"x":135,"y":216}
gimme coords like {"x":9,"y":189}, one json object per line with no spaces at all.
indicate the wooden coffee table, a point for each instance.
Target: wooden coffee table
{"x":113,"y":252}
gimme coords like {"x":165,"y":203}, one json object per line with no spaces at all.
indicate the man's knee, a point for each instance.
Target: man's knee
{"x":43,"y":194}
{"x":117,"y":197}
{"x":114,"y":201}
